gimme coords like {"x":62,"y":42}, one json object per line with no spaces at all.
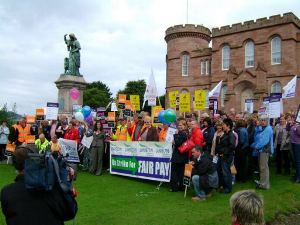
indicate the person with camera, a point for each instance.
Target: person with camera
{"x":21,"y":205}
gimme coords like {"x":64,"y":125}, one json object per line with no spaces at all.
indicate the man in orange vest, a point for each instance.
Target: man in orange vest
{"x":22,"y":131}
{"x":121,"y":131}
{"x":136,"y":129}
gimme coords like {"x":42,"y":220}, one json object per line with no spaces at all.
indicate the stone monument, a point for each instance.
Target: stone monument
{"x":71,"y":78}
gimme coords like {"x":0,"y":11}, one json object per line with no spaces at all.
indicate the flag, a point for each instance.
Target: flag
{"x":289,"y":90}
{"x":151,"y":91}
{"x":215,"y":92}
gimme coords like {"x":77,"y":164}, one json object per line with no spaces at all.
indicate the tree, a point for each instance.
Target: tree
{"x":97,"y":94}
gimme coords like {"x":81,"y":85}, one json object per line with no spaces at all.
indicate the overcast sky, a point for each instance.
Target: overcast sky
{"x":121,"y":40}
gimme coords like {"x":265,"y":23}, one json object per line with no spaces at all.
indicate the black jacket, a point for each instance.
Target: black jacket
{"x":226,"y":145}
{"x":179,"y":139}
{"x":208,"y":135}
{"x":22,"y":206}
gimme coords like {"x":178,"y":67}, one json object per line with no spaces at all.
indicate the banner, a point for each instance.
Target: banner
{"x":52,"y":111}
{"x":172,"y":98}
{"x":200,"y":99}
{"x":135,"y":102}
{"x":69,"y":149}
{"x":184,"y":102}
{"x":215,"y":92}
{"x":144,"y":160}
{"x":249,"y":105}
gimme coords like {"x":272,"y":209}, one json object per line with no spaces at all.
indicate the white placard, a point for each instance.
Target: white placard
{"x":51,"y":111}
{"x":69,"y":149}
{"x":170,"y":134}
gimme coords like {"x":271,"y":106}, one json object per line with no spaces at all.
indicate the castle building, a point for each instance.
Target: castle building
{"x":254,"y":59}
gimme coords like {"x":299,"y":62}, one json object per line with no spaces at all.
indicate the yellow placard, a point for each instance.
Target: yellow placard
{"x":200,"y":99}
{"x":30,"y":119}
{"x":184,"y":102}
{"x":39,"y":112}
{"x":172,"y":98}
{"x":111,"y":116}
{"x":135,"y":102}
{"x":122,"y":98}
{"x":154,"y":115}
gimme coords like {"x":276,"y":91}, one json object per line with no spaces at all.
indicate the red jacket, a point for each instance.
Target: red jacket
{"x":72,"y":135}
{"x":197,"y":136}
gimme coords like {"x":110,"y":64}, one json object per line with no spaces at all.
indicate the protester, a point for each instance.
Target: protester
{"x":135,"y":128}
{"x":21,"y":206}
{"x":55,"y":146}
{"x":121,"y":133}
{"x":196,"y":134}
{"x":241,"y":151}
{"x":208,"y":134}
{"x":263,"y":144}
{"x":41,"y":144}
{"x":217,"y":136}
{"x":97,"y":150}
{"x":4,"y":133}
{"x":54,"y":126}
{"x":282,"y":145}
{"x":252,"y":122}
{"x":163,"y":133}
{"x":149,"y":133}
{"x":61,"y":130}
{"x":202,"y":168}
{"x":178,"y":159}
{"x":72,"y":132}
{"x":22,"y":131}
{"x":45,"y":129}
{"x":225,"y":151}
{"x":246,"y":208}
{"x":294,"y":128}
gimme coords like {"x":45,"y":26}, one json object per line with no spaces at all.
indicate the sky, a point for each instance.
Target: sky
{"x":121,"y":40}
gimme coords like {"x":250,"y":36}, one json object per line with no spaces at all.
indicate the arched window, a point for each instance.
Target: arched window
{"x":185,"y":64}
{"x":276,"y":87}
{"x":225,"y":57}
{"x":276,"y":50}
{"x":223,"y":94}
{"x":249,"y":54}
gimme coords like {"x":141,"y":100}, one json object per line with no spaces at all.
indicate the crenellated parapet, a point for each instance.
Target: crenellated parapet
{"x":188,"y":30}
{"x":257,"y":24}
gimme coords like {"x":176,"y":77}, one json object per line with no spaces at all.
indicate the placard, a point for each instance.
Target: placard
{"x":200,"y":99}
{"x":135,"y":102}
{"x":52,"y":111}
{"x":170,"y":134}
{"x":111,"y":116}
{"x":184,"y":102}
{"x":122,"y":98}
{"x":172,"y":98}
{"x":249,"y":105}
{"x":274,"y":107}
{"x":154,"y":115}
{"x":30,"y":119}
{"x":69,"y":149}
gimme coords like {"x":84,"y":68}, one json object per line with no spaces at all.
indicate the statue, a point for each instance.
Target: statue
{"x":72,"y":63}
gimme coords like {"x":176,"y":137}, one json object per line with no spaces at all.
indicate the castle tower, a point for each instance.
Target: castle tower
{"x":182,"y":60}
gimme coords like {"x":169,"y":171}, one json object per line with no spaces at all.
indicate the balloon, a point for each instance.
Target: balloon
{"x":86,"y":111}
{"x":161,"y":116}
{"x":170,"y":116}
{"x":74,"y":93}
{"x":89,"y":119}
{"x":79,"y":116}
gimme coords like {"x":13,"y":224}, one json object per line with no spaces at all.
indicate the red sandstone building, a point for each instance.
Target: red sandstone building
{"x":253,"y":59}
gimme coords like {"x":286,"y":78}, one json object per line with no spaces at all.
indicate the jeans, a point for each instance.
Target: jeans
{"x":196,"y":183}
{"x":296,"y":151}
{"x":225,"y":177}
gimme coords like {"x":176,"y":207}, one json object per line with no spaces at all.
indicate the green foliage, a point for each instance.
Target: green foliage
{"x":111,"y":199}
{"x":10,"y":116}
{"x":135,"y":87}
{"x":97,"y":94}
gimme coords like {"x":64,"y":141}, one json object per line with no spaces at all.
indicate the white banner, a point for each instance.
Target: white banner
{"x":215,"y":92}
{"x":289,"y":90}
{"x":69,"y":149}
{"x":145,"y":160}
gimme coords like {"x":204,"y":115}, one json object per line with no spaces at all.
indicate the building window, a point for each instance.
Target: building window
{"x":223,"y":94}
{"x":249,"y":54}
{"x":276,"y":87}
{"x":203,"y":67}
{"x":225,"y":57}
{"x":185,"y":64}
{"x":276,"y":51}
{"x":207,"y":71}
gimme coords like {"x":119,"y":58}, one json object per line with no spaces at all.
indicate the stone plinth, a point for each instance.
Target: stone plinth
{"x":64,"y":84}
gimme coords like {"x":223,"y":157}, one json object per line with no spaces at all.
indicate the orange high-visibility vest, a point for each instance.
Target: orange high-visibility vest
{"x":121,"y":133}
{"x":23,"y":132}
{"x":163,"y":135}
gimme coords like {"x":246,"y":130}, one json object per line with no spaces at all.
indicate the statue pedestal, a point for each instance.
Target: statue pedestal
{"x":64,"y":84}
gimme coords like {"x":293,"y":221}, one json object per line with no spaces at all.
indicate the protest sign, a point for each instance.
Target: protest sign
{"x":213,"y":105}
{"x":111,"y":116}
{"x":170,"y":134}
{"x":200,"y":99}
{"x":100,"y":113}
{"x":135,"y":102}
{"x":172,"y":98}
{"x":145,"y":160}
{"x":274,"y":106}
{"x":52,"y":111}
{"x":122,"y":98}
{"x":69,"y":149}
{"x":40,"y":114}
{"x":154,"y":115}
{"x":184,"y":102}
{"x":87,"y":141}
{"x":30,"y":119}
{"x":249,"y":105}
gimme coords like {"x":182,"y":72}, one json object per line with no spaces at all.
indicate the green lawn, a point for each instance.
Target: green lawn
{"x":114,"y":200}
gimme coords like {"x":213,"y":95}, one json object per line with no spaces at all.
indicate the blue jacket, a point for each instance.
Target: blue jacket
{"x":243,"y":138}
{"x":263,"y":137}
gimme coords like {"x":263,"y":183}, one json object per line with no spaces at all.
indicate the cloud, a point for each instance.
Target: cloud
{"x":121,"y":40}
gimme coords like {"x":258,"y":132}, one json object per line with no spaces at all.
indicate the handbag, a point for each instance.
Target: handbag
{"x":233,"y":170}
{"x":186,"y":146}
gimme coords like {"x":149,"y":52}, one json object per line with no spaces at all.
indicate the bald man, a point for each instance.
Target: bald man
{"x":41,"y":144}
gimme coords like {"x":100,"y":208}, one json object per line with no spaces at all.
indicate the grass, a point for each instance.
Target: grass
{"x":114,"y":200}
